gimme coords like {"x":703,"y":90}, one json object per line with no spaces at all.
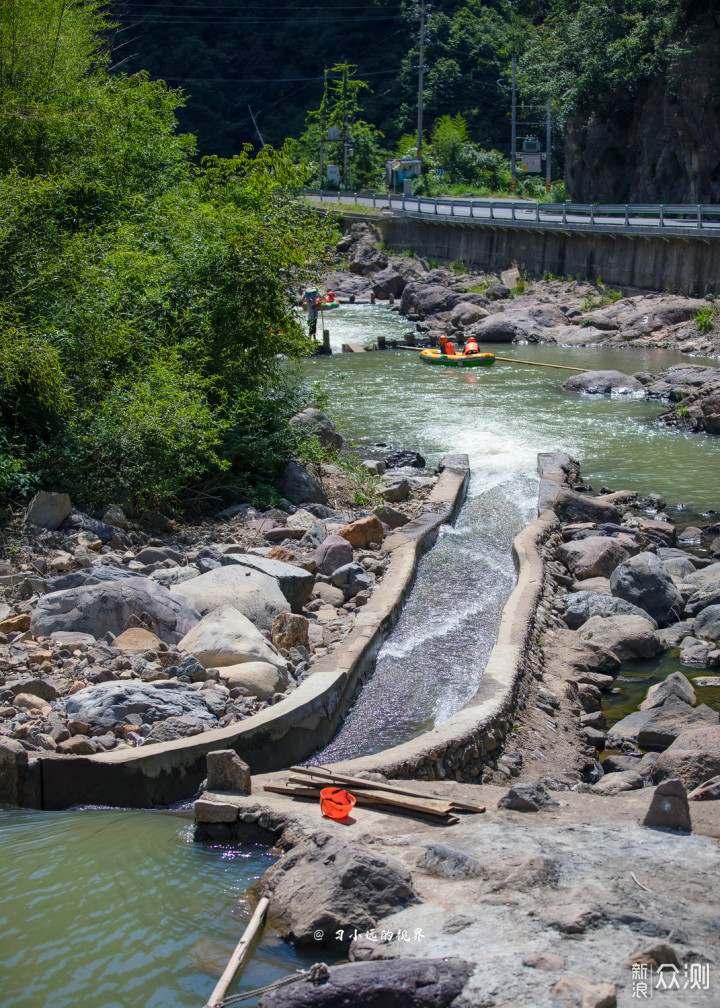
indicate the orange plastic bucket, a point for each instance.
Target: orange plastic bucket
{"x":336,"y":803}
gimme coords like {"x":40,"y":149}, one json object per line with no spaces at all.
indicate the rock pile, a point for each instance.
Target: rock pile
{"x":562,"y":311}
{"x":622,"y":591}
{"x":115,"y":634}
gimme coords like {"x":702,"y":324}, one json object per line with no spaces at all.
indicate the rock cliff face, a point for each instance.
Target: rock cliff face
{"x":664,"y":146}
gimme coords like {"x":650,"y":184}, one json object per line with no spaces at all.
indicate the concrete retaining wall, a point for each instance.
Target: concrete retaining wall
{"x":687,"y":265}
{"x":279,"y":736}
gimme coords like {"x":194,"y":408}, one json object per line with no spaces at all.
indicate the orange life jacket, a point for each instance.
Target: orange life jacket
{"x":471,"y":346}
{"x":449,"y":348}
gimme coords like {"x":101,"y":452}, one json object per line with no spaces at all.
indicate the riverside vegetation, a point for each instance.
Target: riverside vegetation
{"x":147,"y":325}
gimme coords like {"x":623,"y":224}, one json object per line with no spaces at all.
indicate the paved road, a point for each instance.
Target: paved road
{"x":643,"y":219}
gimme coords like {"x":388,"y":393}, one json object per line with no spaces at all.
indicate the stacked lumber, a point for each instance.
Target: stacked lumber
{"x":307,"y":782}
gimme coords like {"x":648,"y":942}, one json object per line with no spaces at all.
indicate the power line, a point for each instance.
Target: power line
{"x":267,"y":80}
{"x":214,"y":19}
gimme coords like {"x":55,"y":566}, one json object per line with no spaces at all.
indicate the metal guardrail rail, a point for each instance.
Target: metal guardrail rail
{"x":667,"y":219}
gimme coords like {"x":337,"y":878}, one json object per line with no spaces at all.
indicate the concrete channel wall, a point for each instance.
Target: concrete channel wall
{"x":459,"y":747}
{"x":279,"y":736}
{"x":688,"y":265}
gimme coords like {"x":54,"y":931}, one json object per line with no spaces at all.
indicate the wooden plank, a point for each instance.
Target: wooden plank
{"x":390,"y":799}
{"x":367,"y":798}
{"x":358,"y":782}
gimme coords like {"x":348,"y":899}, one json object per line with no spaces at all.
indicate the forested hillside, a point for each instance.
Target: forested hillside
{"x":634,"y":83}
{"x":272,"y":58}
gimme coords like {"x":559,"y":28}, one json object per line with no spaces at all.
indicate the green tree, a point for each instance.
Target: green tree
{"x":145,"y":302}
{"x":357,"y":149}
{"x":590,"y":55}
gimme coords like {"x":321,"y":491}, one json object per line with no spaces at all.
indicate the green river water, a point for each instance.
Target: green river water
{"x":115,"y":909}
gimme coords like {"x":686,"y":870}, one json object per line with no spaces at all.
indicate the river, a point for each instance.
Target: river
{"x":114,"y":909}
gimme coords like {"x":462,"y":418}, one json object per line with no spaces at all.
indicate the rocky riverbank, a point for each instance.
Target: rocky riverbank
{"x":622,"y":586}
{"x":510,"y":308}
{"x":565,"y":892}
{"x":116,"y":634}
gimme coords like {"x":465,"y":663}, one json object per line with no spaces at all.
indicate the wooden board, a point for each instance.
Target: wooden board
{"x":358,"y":783}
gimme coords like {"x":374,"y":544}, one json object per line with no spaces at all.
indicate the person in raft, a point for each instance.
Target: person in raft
{"x":471,"y":347}
{"x":446,"y":347}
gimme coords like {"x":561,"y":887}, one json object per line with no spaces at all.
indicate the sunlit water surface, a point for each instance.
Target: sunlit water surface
{"x":119,"y":909}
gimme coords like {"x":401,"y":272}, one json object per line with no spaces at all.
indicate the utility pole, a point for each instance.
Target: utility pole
{"x":345,"y":125}
{"x":513,"y":130}
{"x":322,"y":127}
{"x":262,"y":142}
{"x":548,"y":142}
{"x":421,"y":71}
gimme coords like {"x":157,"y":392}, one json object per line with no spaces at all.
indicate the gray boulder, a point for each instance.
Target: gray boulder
{"x":315,"y":422}
{"x":87,"y":576}
{"x":298,"y":485}
{"x":394,"y":489}
{"x":77,"y":521}
{"x":669,"y":808}
{"x":114,"y":606}
{"x":113,"y":702}
{"x":596,"y":556}
{"x":631,"y":638}
{"x":326,"y":885}
{"x":13,"y":769}
{"x":252,"y":592}
{"x":643,"y":580}
{"x":601,"y":383}
{"x":178,"y":727}
{"x":571,"y":506}
{"x":579,"y":607}
{"x":694,"y":757}
{"x":366,"y":258}
{"x":333,"y":552}
{"x":387,"y":282}
{"x":49,"y":510}
{"x":224,"y":637}
{"x":675,"y":685}
{"x":465,"y":313}
{"x":707,"y":624}
{"x":704,"y":576}
{"x":676,"y":566}
{"x":295,"y":583}
{"x":390,"y":517}
{"x":527,"y":797}
{"x":520,"y":321}
{"x":379,"y":983}
{"x":423,"y":299}
{"x":159,"y":554}
{"x":351,"y":578}
{"x":705,"y":597}
{"x":614,"y":783}
{"x":167,"y":576}
{"x":659,"y":727}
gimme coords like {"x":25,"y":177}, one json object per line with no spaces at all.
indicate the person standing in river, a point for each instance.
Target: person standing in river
{"x":312,"y":299}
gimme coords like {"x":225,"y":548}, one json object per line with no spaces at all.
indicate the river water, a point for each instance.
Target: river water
{"x":501,"y":417}
{"x":113,"y":909}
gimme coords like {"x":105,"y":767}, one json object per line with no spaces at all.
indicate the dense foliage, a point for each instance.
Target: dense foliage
{"x":590,"y":54}
{"x":143,"y":300}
